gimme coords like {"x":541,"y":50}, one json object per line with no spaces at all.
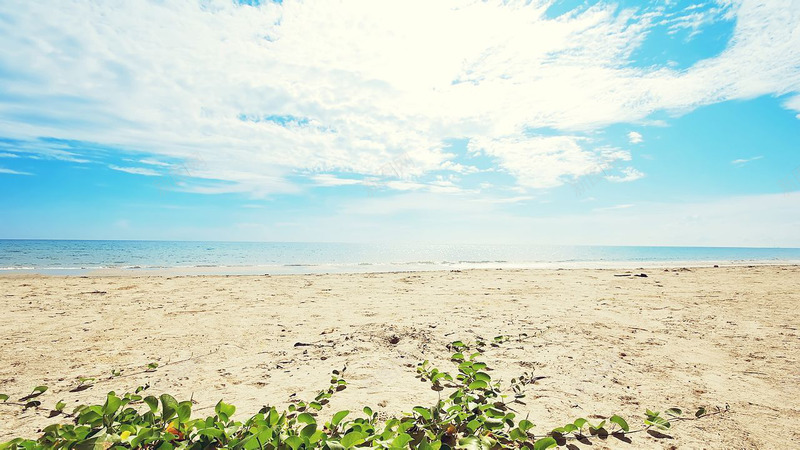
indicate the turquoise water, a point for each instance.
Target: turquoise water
{"x":78,"y":257}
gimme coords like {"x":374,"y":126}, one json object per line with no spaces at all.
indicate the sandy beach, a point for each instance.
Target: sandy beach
{"x":606,"y":344}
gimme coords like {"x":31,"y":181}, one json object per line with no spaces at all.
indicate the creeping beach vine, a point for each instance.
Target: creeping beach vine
{"x":476,"y":413}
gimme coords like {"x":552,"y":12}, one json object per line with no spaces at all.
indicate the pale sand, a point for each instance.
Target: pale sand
{"x":708,"y":336}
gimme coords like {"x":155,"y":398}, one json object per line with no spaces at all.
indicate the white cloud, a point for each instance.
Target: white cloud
{"x":635,"y":137}
{"x":793,"y":103}
{"x":331,"y":180}
{"x":628,"y":174}
{"x":611,"y":208}
{"x":153,"y":162}
{"x":136,"y":170}
{"x":741,"y":162}
{"x":543,"y":162}
{"x":261,"y":94}
{"x":8,"y":155}
{"x":40,"y":149}
{"x":459,"y":168}
{"x":13,"y":172}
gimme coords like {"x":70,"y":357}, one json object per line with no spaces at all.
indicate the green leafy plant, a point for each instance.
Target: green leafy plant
{"x":474,"y":414}
{"x":84,"y":383}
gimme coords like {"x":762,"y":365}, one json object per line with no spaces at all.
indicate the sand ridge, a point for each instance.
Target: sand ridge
{"x":605,"y":344}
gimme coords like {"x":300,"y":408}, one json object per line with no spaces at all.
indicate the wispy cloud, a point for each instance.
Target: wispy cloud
{"x":741,"y":162}
{"x":8,"y":155}
{"x":136,"y":170}
{"x":264,"y":93}
{"x":332,"y":180}
{"x":153,"y":162}
{"x":635,"y":137}
{"x":611,"y":208}
{"x":13,"y":172}
{"x":794,"y":104}
{"x":628,"y":174}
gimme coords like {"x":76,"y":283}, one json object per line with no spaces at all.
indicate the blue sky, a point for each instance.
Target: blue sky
{"x":563,"y":122}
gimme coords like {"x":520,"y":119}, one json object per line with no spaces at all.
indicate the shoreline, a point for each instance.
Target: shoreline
{"x":325,"y":269}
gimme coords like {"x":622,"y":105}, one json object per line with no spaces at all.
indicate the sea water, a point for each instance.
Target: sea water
{"x":80,"y":257}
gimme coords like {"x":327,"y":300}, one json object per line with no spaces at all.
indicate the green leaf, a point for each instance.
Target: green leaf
{"x":152,"y":366}
{"x":272,"y":417}
{"x":598,"y":426}
{"x":152,"y":402}
{"x":569,"y":428}
{"x":337,"y":418}
{"x":700,"y":412}
{"x":545,"y":443}
{"x":294,"y":442}
{"x":352,"y":439}
{"x":39,"y":390}
{"x":308,"y":430}
{"x":659,"y":422}
{"x":209,"y":432}
{"x":424,"y":412}
{"x":60,"y":406}
{"x":478,"y":384}
{"x":224,"y":410}
{"x":525,"y":425}
{"x":494,"y":412}
{"x":306,"y":418}
{"x":483,"y":376}
{"x":580,"y":422}
{"x":169,"y":407}
{"x":620,"y":421}
{"x":518,"y":435}
{"x":401,"y":440}
{"x":112,"y":404}
{"x":184,"y":411}
{"x":3,"y":397}
{"x":469,"y":443}
{"x":317,"y":436}
{"x":368,"y":411}
{"x":493,"y":424}
{"x":674,"y":412}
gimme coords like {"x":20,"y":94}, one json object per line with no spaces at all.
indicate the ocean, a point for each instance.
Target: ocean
{"x":69,"y":257}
